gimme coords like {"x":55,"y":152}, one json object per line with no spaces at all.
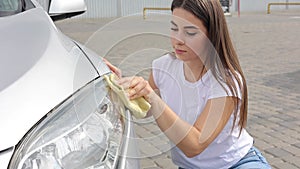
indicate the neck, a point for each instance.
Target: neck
{"x":194,"y":70}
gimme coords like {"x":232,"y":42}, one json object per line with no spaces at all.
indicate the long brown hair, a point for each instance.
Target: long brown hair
{"x":222,"y":61}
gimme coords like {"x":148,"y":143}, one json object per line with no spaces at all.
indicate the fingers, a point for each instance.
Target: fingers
{"x":125,"y":82}
{"x":136,"y":86}
{"x":113,"y":68}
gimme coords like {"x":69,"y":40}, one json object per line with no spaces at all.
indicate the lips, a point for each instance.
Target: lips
{"x":178,"y":51}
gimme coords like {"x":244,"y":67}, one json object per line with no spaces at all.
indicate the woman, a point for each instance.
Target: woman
{"x":200,"y":101}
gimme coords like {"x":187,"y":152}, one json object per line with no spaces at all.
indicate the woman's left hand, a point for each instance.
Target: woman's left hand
{"x":113,"y":68}
{"x":137,"y":87}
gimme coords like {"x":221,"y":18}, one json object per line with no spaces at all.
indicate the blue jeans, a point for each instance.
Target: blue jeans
{"x":252,"y":160}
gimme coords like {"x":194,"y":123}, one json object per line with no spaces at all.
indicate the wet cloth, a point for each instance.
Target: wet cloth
{"x":138,"y":107}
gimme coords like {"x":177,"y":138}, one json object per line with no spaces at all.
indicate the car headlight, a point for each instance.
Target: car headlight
{"x":82,"y":132}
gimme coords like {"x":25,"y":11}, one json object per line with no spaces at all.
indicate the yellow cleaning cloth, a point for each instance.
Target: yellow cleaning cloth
{"x":138,"y":107}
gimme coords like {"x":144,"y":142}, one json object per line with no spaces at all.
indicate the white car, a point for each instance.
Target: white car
{"x":56,"y":111}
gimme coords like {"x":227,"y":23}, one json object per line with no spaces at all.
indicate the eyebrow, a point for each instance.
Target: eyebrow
{"x":172,"y":22}
{"x":185,"y":27}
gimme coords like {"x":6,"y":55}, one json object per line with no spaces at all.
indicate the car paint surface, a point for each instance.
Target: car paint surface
{"x":38,"y":71}
{"x":5,"y":157}
{"x":40,"y":67}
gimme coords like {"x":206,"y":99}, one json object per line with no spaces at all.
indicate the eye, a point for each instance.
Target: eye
{"x":190,"y":33}
{"x":174,"y":29}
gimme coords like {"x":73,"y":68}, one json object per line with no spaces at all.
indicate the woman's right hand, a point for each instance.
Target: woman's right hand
{"x":137,"y":87}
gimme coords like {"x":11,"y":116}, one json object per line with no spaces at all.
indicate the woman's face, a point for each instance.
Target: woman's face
{"x":188,"y":35}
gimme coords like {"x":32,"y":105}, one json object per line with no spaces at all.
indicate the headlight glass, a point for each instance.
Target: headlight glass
{"x":84,"y":131}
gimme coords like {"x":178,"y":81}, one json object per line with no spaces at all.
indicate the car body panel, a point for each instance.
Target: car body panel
{"x":23,"y":99}
{"x":5,"y":157}
{"x":129,"y":151}
{"x":95,"y":59}
{"x":40,"y":69}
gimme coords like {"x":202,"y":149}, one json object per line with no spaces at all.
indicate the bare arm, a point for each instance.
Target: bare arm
{"x":191,"y":139}
{"x":156,"y":91}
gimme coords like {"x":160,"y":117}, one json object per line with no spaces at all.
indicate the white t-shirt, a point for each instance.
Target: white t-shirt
{"x":187,"y":100}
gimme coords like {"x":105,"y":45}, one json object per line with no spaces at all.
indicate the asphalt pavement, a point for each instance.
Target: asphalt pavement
{"x":268,"y":46}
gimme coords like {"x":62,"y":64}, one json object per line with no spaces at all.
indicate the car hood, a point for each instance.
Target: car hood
{"x":39,"y":68}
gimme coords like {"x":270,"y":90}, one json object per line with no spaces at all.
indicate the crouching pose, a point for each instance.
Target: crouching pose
{"x":198,"y":92}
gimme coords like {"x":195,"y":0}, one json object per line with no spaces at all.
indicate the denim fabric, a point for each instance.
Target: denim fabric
{"x":252,"y":160}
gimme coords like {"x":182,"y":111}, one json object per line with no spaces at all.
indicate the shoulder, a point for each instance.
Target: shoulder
{"x":163,"y":68}
{"x":164,"y":60}
{"x":166,"y":64}
{"x":220,"y":88}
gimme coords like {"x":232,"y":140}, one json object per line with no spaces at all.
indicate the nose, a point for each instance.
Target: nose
{"x":178,"y":38}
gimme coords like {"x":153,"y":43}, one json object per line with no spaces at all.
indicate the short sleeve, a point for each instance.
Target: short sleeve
{"x":160,"y":67}
{"x":156,"y":72}
{"x":221,"y":89}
